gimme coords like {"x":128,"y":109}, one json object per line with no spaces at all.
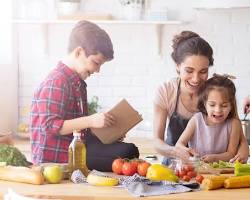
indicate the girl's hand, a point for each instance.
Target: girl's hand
{"x":208,"y":158}
{"x":240,"y":156}
{"x":100,"y":120}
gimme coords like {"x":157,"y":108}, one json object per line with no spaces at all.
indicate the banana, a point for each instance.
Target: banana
{"x":101,"y":180}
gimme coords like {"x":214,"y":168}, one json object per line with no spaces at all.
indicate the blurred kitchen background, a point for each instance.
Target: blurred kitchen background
{"x":34,"y":36}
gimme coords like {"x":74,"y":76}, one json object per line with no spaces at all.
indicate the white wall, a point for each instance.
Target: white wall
{"x":9,"y":72}
{"x":137,"y":68}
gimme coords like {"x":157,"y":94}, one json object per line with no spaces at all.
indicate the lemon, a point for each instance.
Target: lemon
{"x":53,"y":174}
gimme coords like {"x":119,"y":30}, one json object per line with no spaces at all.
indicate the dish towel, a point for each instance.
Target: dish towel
{"x":142,"y":187}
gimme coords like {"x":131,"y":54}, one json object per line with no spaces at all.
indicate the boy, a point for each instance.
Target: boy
{"x":60,"y":104}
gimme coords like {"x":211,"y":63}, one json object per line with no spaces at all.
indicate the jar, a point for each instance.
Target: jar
{"x":186,"y":171}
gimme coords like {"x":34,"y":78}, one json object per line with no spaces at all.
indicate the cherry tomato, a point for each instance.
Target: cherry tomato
{"x":143,"y":168}
{"x":191,"y":174}
{"x":199,"y":178}
{"x":186,"y":178}
{"x":188,"y":168}
{"x":129,"y":168}
{"x":182,"y":173}
{"x":117,"y":165}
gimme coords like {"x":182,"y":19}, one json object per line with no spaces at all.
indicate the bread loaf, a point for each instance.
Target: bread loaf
{"x":21,"y":174}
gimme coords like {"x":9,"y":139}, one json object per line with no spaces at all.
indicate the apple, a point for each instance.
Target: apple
{"x":53,"y":174}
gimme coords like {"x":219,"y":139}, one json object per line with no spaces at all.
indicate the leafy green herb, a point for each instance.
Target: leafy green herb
{"x":12,"y":156}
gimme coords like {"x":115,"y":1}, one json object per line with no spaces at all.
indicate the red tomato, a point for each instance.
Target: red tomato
{"x":199,"y":178}
{"x":192,"y":174}
{"x":117,"y":165}
{"x":186,"y":178}
{"x":129,"y":168}
{"x":135,"y":162}
{"x":143,"y":168}
{"x":182,"y":173}
{"x":188,"y":168}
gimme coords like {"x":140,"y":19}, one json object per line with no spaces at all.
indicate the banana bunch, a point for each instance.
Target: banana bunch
{"x":98,"y":180}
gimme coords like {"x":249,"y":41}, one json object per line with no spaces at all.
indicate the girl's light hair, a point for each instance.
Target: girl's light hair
{"x":222,"y":83}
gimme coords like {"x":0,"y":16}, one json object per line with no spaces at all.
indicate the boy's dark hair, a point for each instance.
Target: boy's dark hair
{"x":188,"y":43}
{"x":223,"y":84}
{"x":92,"y":39}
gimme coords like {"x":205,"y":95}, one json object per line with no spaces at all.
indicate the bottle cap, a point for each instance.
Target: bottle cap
{"x":76,"y":133}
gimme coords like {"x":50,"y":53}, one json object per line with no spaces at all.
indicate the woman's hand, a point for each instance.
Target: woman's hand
{"x":100,"y":120}
{"x":184,"y":153}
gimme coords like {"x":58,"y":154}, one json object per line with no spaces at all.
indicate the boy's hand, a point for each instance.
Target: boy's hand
{"x":100,"y":120}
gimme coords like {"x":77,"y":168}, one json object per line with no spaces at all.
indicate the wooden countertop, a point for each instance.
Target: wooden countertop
{"x":69,"y":191}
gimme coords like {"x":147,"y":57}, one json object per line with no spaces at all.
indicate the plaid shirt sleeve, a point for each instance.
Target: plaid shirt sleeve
{"x":51,"y":106}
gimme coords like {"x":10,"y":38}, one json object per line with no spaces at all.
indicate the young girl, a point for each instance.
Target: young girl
{"x":214,"y":132}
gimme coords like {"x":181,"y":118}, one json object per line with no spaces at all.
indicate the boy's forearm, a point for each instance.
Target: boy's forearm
{"x":74,"y":124}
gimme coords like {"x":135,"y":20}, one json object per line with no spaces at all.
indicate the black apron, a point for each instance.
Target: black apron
{"x":176,"y":126}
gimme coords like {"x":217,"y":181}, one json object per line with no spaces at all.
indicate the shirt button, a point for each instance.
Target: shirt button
{"x":78,"y":103}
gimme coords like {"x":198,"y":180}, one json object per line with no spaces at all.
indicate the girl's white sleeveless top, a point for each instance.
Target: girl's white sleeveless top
{"x":210,"y":139}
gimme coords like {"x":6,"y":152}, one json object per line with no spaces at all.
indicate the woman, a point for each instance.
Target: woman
{"x":176,"y":100}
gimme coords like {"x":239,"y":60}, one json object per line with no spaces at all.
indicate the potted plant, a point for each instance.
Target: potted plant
{"x":93,"y":105}
{"x":68,"y":7}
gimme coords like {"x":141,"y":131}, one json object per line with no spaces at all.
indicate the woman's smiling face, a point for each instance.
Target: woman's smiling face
{"x":193,"y":71}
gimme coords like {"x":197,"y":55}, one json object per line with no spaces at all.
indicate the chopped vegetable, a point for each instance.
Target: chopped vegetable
{"x":241,"y":169}
{"x":221,"y":164}
{"x":12,"y":156}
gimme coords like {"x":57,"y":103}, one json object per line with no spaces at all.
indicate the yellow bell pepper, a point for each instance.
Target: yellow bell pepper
{"x":158,"y":172}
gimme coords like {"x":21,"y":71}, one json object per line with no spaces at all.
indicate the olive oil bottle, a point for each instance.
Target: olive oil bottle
{"x":77,"y":155}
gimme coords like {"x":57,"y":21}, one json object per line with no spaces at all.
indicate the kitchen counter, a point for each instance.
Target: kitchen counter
{"x":68,"y":191}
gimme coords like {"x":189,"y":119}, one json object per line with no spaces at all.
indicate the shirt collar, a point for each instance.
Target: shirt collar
{"x":73,"y":76}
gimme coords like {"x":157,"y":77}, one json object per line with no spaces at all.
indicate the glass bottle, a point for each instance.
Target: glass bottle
{"x":77,"y":155}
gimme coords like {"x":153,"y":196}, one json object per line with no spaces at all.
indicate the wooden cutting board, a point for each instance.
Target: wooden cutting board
{"x":216,"y":170}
